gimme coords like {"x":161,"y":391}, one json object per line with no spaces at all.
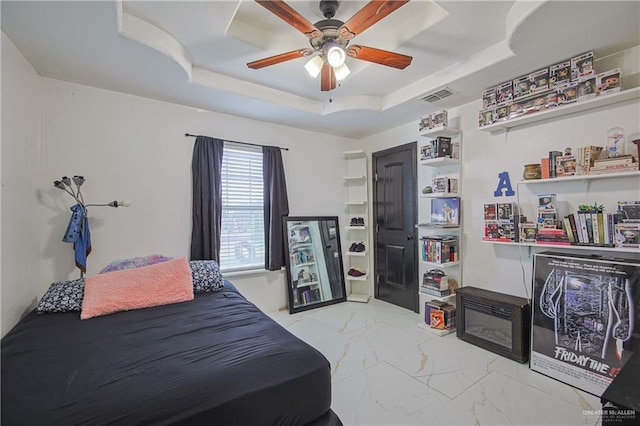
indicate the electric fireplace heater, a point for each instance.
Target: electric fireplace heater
{"x":494,"y":321}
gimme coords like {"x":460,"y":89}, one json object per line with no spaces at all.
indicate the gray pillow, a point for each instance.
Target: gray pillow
{"x":62,"y":296}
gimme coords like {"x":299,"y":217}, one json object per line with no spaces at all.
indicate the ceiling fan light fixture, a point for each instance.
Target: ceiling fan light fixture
{"x":336,"y":56}
{"x":314,"y":66}
{"x":341,"y":72}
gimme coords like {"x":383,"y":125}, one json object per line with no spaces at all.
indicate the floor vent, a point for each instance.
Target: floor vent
{"x":437,"y":95}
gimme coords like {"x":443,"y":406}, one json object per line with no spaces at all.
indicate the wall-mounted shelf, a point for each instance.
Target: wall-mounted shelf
{"x":441,"y":265}
{"x":357,"y":253}
{"x":580,"y":178}
{"x":568,"y":247}
{"x":357,"y":177}
{"x":441,"y":161}
{"x":437,"y":226}
{"x":355,"y":203}
{"x":439,"y":131}
{"x":358,"y":153}
{"x":561,"y":111}
{"x":440,"y":194}
{"x":356,"y":228}
{"x":362,"y":278}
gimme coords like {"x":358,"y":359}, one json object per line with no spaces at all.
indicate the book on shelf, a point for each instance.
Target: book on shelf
{"x":622,"y":159}
{"x":434,"y":292}
{"x":587,"y":156}
{"x":615,"y":168}
{"x":553,"y":156}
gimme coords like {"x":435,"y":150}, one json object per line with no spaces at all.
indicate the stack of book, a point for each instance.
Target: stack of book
{"x":435,"y":283}
{"x":552,"y":236}
{"x":439,"y":315}
{"x":623,"y":163}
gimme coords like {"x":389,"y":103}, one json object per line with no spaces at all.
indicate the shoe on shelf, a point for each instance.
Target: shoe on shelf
{"x":354,"y":221}
{"x":360,"y":221}
{"x":356,"y":272}
{"x":359,"y":247}
{"x":353,"y":247}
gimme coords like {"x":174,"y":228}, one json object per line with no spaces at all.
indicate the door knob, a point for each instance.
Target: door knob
{"x":409,"y":237}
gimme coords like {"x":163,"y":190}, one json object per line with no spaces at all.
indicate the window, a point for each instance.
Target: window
{"x":242,"y":238}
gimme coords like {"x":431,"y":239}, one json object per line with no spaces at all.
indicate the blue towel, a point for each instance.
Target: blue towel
{"x":78,"y":233}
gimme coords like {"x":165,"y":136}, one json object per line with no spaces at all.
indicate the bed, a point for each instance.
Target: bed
{"x":214,"y":360}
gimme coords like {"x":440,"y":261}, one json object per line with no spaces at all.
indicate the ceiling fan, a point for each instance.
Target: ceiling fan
{"x":329,"y":39}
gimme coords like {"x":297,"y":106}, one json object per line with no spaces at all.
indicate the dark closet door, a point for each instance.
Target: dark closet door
{"x":395,"y":215}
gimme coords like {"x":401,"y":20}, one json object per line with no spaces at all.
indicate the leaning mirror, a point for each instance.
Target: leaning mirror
{"x":314,"y":263}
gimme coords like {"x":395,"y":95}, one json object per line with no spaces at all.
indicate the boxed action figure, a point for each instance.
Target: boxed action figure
{"x":560,"y":73}
{"x":521,"y":87}
{"x":608,"y":82}
{"x":504,"y":93}
{"x":539,"y":81}
{"x":567,"y":93}
{"x":587,"y":88}
{"x":485,"y":117}
{"x":582,"y":66}
{"x":489,"y":98}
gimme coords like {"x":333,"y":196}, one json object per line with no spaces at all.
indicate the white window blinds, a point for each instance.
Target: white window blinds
{"x":242,"y":238}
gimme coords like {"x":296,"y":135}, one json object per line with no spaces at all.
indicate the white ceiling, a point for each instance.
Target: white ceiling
{"x":195,"y":53}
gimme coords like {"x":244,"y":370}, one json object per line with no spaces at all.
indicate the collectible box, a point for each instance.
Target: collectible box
{"x":539,"y":81}
{"x":445,"y":210}
{"x":560,"y":73}
{"x":489,"y":98}
{"x":629,"y":210}
{"x":627,"y":234}
{"x":566,"y":165}
{"x":608,"y":82}
{"x":521,"y":87}
{"x":491,"y":230}
{"x":567,"y":93}
{"x":439,"y":118}
{"x":586,"y":88}
{"x":442,"y":184}
{"x":516,"y":109}
{"x":490,"y":212}
{"x":442,"y":146}
{"x":485,"y":117}
{"x":506,"y":210}
{"x":585,"y":314}
{"x":425,"y":122}
{"x":528,"y":232}
{"x":426,"y":152}
{"x":504,"y":93}
{"x":506,"y":230}
{"x":502,"y":113}
{"x":551,"y":99}
{"x":582,"y":66}
{"x":534,"y":103}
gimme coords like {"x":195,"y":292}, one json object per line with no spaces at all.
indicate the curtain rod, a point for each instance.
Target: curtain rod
{"x":242,"y":143}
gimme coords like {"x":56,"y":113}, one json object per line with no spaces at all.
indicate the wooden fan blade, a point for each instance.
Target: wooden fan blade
{"x":379,"y":56}
{"x":291,"y":17}
{"x":371,"y":13}
{"x":283,"y":57}
{"x":327,"y":78}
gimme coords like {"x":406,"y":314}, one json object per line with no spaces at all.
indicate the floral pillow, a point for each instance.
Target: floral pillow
{"x":206,"y":276}
{"x":134,"y":262}
{"x":63,"y":296}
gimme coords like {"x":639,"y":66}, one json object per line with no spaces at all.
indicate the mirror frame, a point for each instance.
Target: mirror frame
{"x":285,"y":228}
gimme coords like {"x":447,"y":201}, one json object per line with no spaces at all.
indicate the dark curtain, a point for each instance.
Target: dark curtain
{"x":276,"y":206}
{"x":206,"y":169}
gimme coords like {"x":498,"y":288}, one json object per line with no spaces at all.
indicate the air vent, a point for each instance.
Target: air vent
{"x":437,"y":95}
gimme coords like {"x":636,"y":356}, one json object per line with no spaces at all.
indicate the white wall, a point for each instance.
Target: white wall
{"x":20,"y":225}
{"x":507,"y":269}
{"x":134,"y":148}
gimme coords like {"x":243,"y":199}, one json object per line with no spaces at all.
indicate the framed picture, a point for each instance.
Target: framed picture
{"x":445,"y":210}
{"x":585,"y":318}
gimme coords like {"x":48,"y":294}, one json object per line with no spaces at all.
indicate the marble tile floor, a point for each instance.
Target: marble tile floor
{"x":388,"y":371}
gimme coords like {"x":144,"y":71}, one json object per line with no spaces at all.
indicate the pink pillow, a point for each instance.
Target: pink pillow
{"x":154,"y":285}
